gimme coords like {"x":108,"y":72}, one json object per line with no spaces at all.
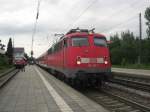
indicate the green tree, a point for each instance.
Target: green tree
{"x":147,"y":16}
{"x":115,"y":52}
{"x":124,"y":49}
{"x":9,"y":51}
{"x":128,"y":47}
{"x":146,"y":51}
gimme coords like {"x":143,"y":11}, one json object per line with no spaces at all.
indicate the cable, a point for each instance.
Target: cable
{"x":135,"y":1}
{"x":90,"y":4}
{"x":123,"y":21}
{"x":132,"y":4}
{"x":122,"y":9}
{"x":114,"y":26}
{"x":82,"y":13}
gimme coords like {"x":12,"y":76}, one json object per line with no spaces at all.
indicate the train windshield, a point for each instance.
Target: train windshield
{"x":18,"y":58}
{"x":80,"y":41}
{"x":99,"y":41}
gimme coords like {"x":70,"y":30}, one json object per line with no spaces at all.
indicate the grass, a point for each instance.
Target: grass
{"x":5,"y":68}
{"x":4,"y":65}
{"x":133,"y":66}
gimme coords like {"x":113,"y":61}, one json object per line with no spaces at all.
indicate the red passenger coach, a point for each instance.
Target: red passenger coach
{"x":80,"y":55}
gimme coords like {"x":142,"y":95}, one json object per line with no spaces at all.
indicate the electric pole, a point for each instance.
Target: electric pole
{"x":140,"y":38}
{"x":35,"y":26}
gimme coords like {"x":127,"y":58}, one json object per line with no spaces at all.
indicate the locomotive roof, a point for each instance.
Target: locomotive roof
{"x":84,"y":34}
{"x":18,"y":49}
{"x":81,"y":34}
{"x":76,"y":33}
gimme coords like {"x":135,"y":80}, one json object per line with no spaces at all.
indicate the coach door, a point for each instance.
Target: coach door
{"x":64,"y":53}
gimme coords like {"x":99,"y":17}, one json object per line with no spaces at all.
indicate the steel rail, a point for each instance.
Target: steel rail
{"x":115,"y":103}
{"x":133,"y":84}
{"x":6,"y":76}
{"x":129,"y":102}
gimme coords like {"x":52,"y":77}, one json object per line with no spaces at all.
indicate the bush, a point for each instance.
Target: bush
{"x":4,"y":65}
{"x":123,"y":62}
{"x":3,"y":60}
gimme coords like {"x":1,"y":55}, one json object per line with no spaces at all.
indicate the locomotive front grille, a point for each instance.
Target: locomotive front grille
{"x":100,"y":60}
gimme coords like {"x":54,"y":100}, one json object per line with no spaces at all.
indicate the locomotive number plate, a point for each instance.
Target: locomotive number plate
{"x":93,"y":60}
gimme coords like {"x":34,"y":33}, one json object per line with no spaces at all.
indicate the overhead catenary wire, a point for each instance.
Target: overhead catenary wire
{"x":121,"y":23}
{"x":116,"y":12}
{"x":88,"y":7}
{"x":85,"y":10}
{"x":82,"y":13}
{"x":134,"y":3}
{"x":122,"y":10}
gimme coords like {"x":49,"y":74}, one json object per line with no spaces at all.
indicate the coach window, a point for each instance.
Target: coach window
{"x":60,"y":45}
{"x":50,"y":51}
{"x":53,"y":49}
{"x":99,"y":41}
{"x":65,"y":42}
{"x":80,"y":41}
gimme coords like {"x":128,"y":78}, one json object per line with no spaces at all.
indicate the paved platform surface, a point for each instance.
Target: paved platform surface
{"x":132,"y":71}
{"x":36,"y":91}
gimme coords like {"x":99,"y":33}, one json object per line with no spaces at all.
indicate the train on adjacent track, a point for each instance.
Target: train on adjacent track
{"x":81,"y":56}
{"x":19,"y":60}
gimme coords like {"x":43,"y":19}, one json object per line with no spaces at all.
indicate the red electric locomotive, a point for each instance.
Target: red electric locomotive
{"x":18,"y":57}
{"x":79,"y":56}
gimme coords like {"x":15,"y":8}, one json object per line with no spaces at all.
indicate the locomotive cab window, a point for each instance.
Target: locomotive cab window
{"x":99,"y":41}
{"x":80,"y":41}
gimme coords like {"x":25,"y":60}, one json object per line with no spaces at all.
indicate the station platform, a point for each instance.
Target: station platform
{"x":136,"y":72}
{"x":37,"y":91}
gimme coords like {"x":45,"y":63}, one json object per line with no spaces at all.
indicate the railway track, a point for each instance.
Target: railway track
{"x":140,"y":83}
{"x":123,"y":94}
{"x":115,"y":102}
{"x":6,"y":76}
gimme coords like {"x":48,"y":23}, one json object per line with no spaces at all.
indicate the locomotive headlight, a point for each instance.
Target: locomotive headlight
{"x":106,"y":62}
{"x":78,"y":62}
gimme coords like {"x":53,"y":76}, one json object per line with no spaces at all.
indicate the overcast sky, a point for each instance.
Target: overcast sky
{"x":17,"y":18}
